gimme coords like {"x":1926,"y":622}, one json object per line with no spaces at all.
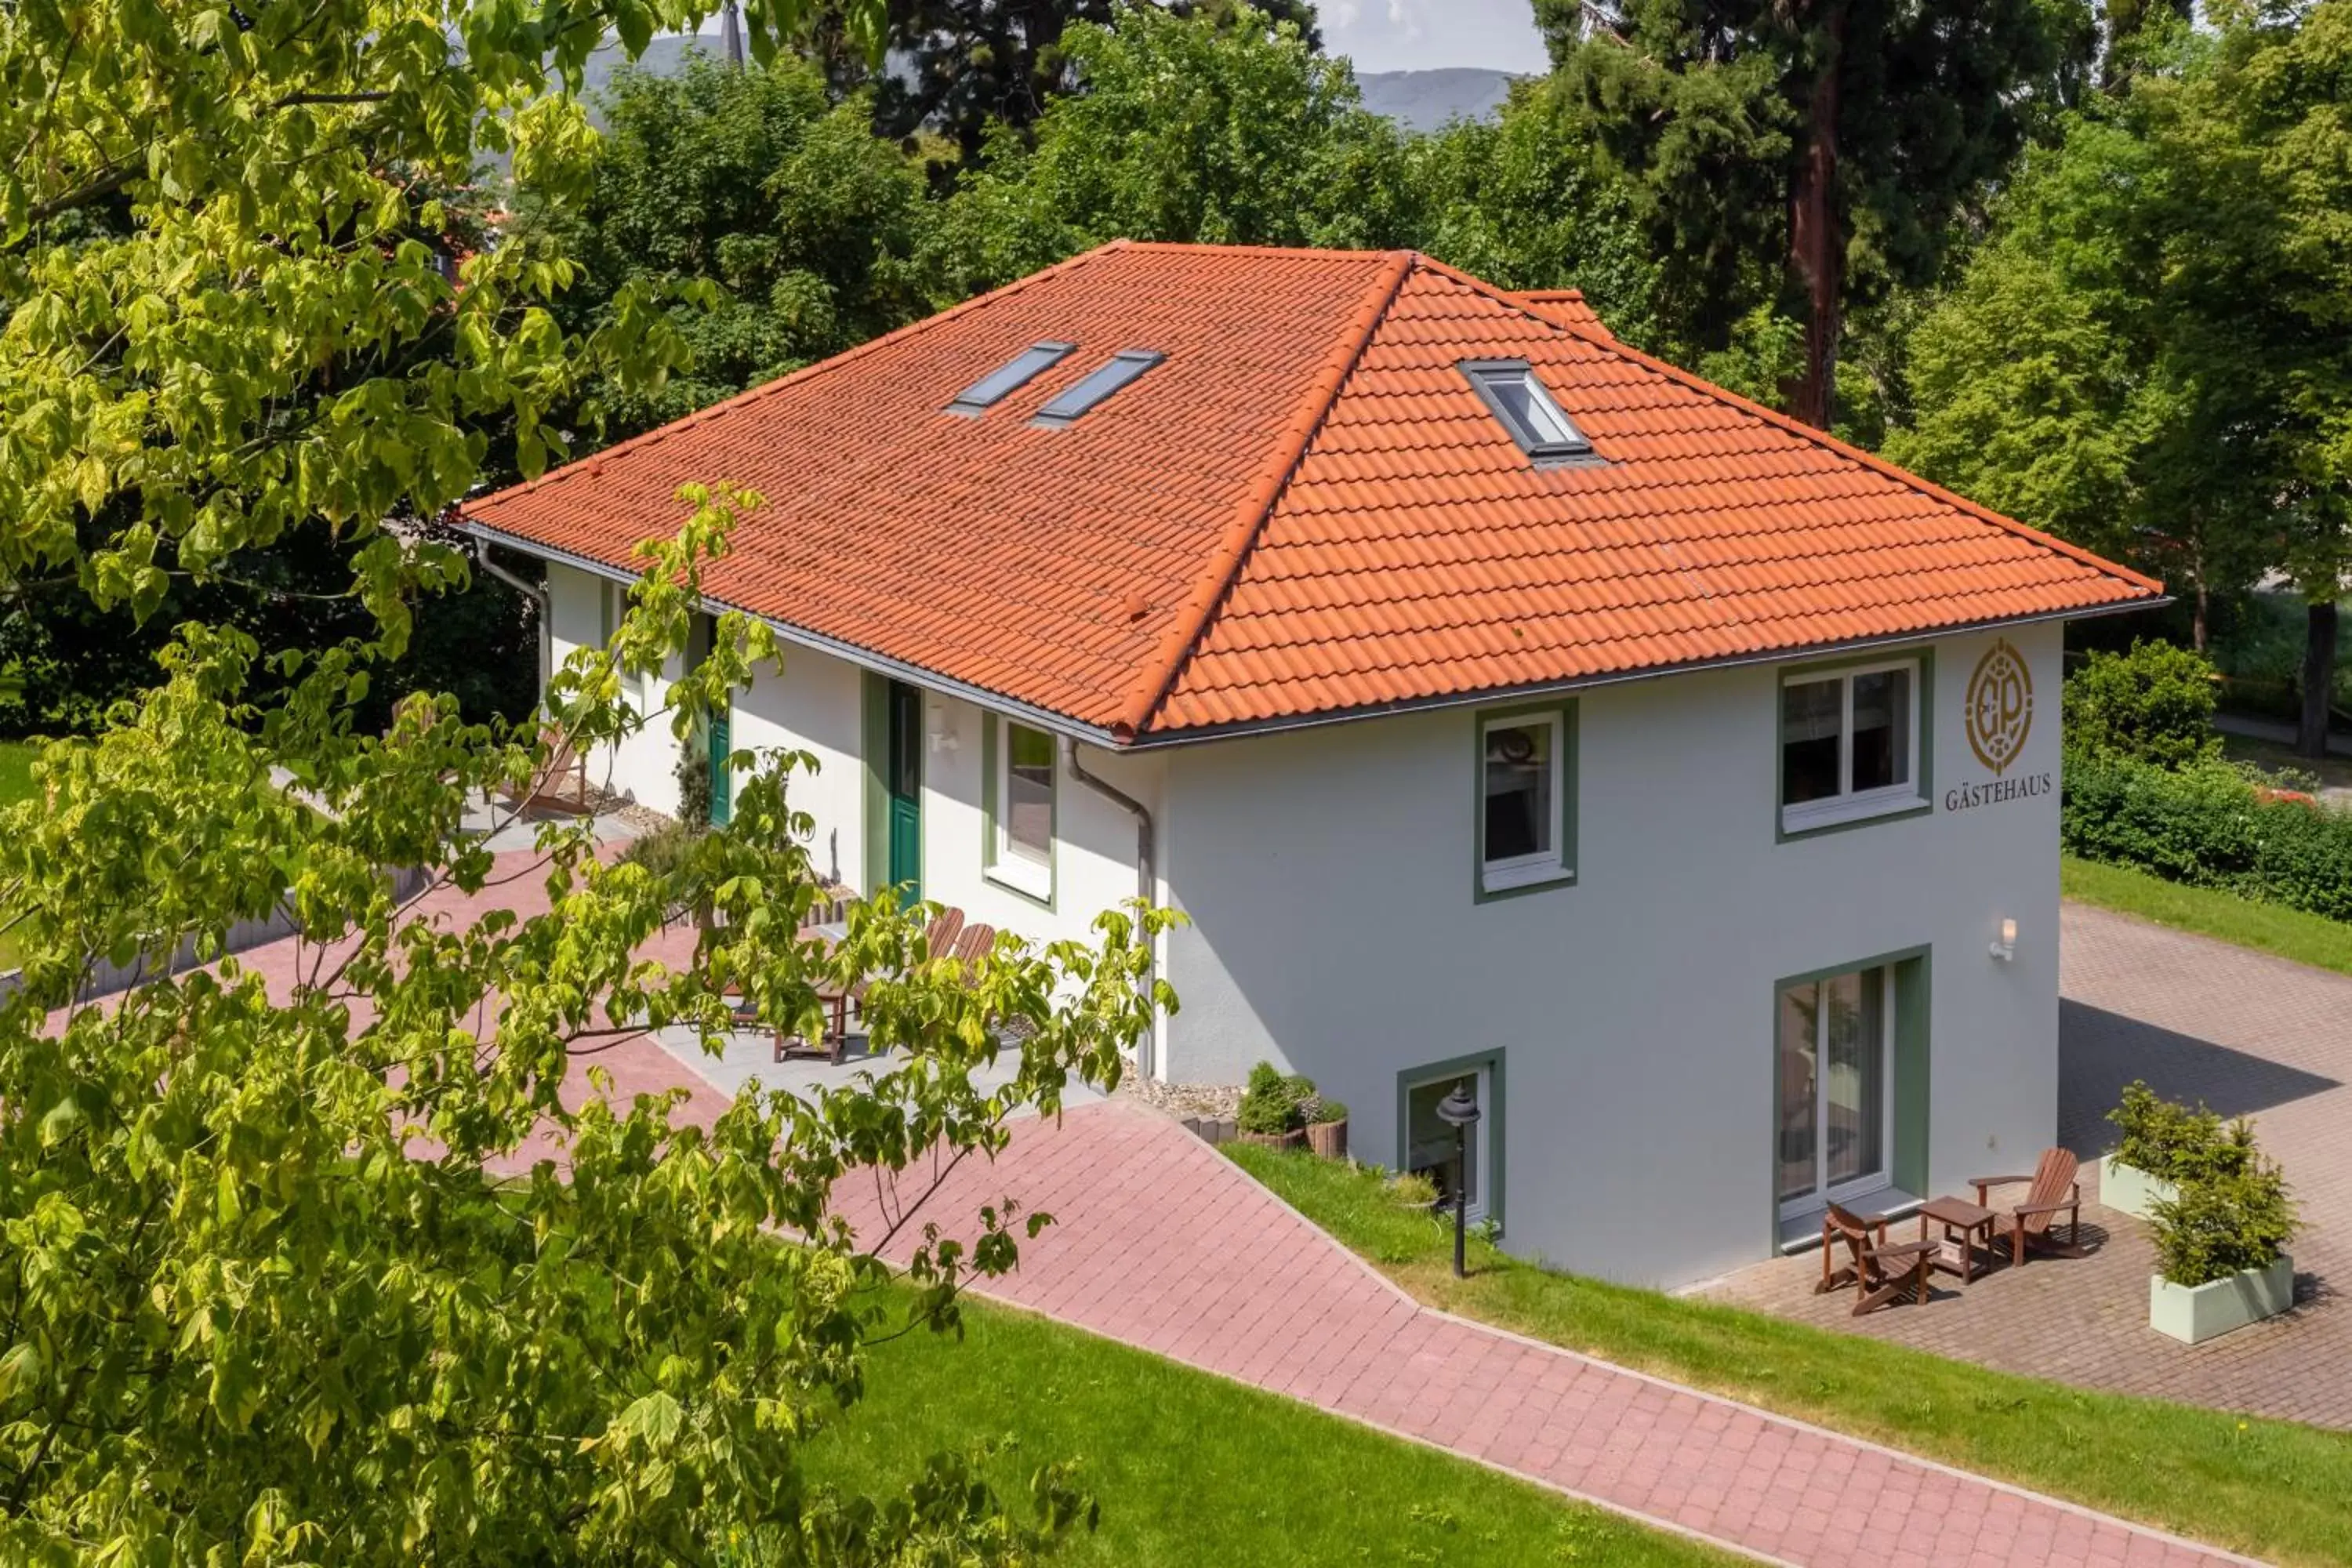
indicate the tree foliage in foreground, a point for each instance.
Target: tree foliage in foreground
{"x":358,"y":1263}
{"x":262,"y":1294}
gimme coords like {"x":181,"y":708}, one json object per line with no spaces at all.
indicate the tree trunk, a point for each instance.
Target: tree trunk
{"x":2318,"y":680}
{"x":2201,"y":614}
{"x":1816,"y":244}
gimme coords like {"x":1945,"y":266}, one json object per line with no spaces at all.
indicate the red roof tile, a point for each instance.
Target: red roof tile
{"x":1304,"y":509}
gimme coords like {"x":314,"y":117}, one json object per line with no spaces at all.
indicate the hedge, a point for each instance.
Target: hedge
{"x":2211,"y":826}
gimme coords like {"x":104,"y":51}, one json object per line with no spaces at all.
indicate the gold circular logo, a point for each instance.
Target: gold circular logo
{"x":2001,"y":706}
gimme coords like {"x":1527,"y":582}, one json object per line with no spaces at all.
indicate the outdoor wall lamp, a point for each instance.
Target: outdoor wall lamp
{"x":1459,"y":1111}
{"x":942,"y":727}
{"x":2005,"y":949}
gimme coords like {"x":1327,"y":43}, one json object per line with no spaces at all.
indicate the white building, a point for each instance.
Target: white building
{"x":1496,"y":701}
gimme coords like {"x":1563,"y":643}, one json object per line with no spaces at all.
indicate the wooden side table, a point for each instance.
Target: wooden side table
{"x":1967,"y":1227}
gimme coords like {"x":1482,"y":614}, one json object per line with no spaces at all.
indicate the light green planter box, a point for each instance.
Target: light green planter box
{"x":2195,"y":1313}
{"x":2130,"y":1190}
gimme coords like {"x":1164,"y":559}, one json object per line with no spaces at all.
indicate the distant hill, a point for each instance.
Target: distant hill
{"x":1423,"y":101}
{"x":1418,"y":101}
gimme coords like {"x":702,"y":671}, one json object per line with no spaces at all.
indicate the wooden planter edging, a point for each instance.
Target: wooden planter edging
{"x":1328,"y":1138}
{"x":1277,"y":1140}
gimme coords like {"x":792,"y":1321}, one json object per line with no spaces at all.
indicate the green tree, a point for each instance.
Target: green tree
{"x":2153,"y":704}
{"x":1805,"y":157}
{"x":1519,"y":201}
{"x":2153,"y":351}
{"x":959,"y":67}
{"x":1230,"y":132}
{"x":753,"y":181}
{"x":261,"y":1300}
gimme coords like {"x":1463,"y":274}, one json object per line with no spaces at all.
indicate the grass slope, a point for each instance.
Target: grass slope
{"x":16,"y":784}
{"x":1192,"y":1470}
{"x":2271,"y":1488}
{"x":2306,"y":937}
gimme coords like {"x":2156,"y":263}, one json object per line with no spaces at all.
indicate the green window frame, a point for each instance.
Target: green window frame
{"x":1913,"y":796}
{"x":1003,"y":862}
{"x":1544,"y":866}
{"x":1492,"y":1101}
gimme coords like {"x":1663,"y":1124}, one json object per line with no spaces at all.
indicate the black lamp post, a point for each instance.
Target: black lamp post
{"x":1459,"y":1111}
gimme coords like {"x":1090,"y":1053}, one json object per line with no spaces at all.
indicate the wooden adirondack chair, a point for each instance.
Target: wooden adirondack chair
{"x":942,"y":940}
{"x":2052,"y":1191}
{"x":562,"y":780}
{"x":1879,"y":1270}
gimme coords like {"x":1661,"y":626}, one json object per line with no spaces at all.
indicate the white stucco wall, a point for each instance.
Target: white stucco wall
{"x":1328,"y":873}
{"x":644,"y":768}
{"x":814,"y":704}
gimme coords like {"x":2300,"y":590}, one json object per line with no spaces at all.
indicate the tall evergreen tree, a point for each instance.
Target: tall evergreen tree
{"x":1800,"y":152}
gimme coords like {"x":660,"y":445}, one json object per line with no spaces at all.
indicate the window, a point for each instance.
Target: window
{"x":1850,"y":744}
{"x":1525,"y":766}
{"x":1020,"y":808}
{"x":1467,"y":1160}
{"x":1526,"y":410}
{"x":1006,"y":379}
{"x":1097,"y":385}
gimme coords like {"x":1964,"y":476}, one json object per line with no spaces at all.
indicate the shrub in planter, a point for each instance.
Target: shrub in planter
{"x":1326,"y":1128}
{"x":2223,"y":1224}
{"x":1272,"y":1110}
{"x":2162,"y":1143}
{"x":2221,"y":1244}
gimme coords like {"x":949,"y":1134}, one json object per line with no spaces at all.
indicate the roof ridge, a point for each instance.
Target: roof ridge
{"x":1159,"y":678}
{"x":1795,"y":426}
{"x":807,"y":373}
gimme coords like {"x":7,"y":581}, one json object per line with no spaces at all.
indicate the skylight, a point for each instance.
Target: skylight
{"x":999,"y":384}
{"x":1526,"y":410}
{"x":1099,"y":383}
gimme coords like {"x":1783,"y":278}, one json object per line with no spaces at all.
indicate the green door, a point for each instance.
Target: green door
{"x":902,"y":779}
{"x":722,"y":747}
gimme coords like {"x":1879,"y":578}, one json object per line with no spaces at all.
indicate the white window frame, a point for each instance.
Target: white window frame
{"x":1849,"y":804}
{"x":1544,"y":865}
{"x":1011,"y":862}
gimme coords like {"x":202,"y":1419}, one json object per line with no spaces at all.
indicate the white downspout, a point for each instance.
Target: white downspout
{"x":1146,"y":883}
{"x":537,"y":593}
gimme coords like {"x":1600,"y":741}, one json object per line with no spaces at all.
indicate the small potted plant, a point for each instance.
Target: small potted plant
{"x":1273,"y":1112}
{"x":2163,"y":1143}
{"x":2221,"y":1242}
{"x":1326,"y":1128}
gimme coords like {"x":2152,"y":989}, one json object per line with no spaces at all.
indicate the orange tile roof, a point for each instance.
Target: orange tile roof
{"x":1305,"y":510}
{"x":1561,"y":308}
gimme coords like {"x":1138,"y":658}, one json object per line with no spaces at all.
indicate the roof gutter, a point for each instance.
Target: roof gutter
{"x":1500,"y":694}
{"x":1147,"y":883}
{"x":849,"y":653}
{"x":1112,"y":739}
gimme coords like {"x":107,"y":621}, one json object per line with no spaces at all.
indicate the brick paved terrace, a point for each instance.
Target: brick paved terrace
{"x":2249,"y":1035}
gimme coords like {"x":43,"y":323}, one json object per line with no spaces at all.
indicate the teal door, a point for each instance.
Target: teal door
{"x":722,"y":780}
{"x":902,"y":779}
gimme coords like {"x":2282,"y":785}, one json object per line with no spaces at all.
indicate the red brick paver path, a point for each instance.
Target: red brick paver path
{"x":1160,"y":1242}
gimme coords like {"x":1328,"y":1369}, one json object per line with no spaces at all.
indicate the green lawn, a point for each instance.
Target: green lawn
{"x":2271,"y":1488}
{"x":1192,"y":1470}
{"x":2270,"y":928}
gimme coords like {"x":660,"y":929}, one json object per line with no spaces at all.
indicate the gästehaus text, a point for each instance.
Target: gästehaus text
{"x":2025,"y":786}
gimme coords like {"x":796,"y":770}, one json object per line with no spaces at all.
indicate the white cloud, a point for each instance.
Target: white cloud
{"x":1342,"y":16}
{"x":1401,"y":18}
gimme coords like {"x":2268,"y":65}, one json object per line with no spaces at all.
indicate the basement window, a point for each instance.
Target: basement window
{"x":1526,"y":410}
{"x":1099,"y":383}
{"x":1006,"y":379}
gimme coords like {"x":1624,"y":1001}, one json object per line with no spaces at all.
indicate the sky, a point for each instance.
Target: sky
{"x":1423,"y":34}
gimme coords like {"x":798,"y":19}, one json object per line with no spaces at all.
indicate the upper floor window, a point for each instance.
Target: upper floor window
{"x":1850,"y":744}
{"x":1526,"y":781}
{"x":1020,"y":807}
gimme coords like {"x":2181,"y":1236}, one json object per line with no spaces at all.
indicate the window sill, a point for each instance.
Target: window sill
{"x":1026,"y":877}
{"x":1501,"y":881}
{"x":1816,"y":816}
